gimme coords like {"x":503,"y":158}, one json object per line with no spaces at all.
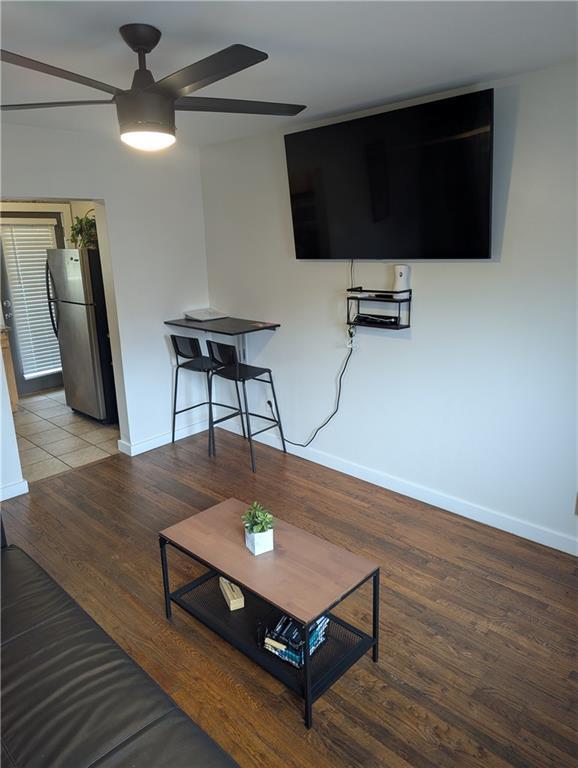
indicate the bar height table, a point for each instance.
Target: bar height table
{"x":228,"y":326}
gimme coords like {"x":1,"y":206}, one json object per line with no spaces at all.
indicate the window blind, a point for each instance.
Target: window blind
{"x":24,"y":247}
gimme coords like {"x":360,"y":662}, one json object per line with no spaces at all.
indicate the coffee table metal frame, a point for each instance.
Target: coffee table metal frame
{"x":302,"y":680}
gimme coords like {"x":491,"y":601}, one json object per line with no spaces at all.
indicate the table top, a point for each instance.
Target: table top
{"x":303,"y":576}
{"x":229,"y":326}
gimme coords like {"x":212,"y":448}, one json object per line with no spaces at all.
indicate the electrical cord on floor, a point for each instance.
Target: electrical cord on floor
{"x":351,"y":348}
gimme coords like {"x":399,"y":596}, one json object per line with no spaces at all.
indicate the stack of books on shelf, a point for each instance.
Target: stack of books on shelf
{"x":286,"y":640}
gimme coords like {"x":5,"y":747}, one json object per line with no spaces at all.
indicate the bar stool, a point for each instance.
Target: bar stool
{"x":190,"y":350}
{"x":225,"y":358}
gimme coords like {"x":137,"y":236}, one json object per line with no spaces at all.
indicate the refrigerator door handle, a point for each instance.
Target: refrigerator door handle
{"x":51,"y":300}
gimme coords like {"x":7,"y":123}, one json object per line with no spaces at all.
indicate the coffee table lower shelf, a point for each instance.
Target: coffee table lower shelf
{"x":344,"y":644}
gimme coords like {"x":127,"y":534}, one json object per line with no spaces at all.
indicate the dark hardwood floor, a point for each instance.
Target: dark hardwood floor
{"x":477,"y":664}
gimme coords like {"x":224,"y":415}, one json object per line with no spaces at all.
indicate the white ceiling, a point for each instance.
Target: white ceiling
{"x":336,"y":57}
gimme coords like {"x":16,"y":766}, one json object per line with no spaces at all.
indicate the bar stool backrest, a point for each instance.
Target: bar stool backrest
{"x":186,"y":347}
{"x":223,"y":354}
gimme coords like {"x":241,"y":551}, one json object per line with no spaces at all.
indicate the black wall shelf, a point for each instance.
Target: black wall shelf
{"x":397,"y":318}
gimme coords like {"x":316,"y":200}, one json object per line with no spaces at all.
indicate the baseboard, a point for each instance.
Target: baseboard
{"x":133,"y":449}
{"x":504,"y":522}
{"x":11,"y":490}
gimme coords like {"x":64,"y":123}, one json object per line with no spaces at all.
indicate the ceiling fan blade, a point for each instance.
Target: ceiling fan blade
{"x":227,"y":62}
{"x":49,"y":104}
{"x":237,"y":106}
{"x":48,"y":69}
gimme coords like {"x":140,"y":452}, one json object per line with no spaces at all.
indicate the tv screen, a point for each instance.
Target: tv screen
{"x":413,"y":183}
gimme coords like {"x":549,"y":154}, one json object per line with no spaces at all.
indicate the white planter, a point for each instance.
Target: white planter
{"x":258,"y":543}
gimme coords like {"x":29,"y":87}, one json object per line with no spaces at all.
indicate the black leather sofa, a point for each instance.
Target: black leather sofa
{"x":71,"y":698}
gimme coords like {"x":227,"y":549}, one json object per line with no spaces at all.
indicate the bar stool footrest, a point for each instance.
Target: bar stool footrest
{"x":225,"y":405}
{"x":271,"y":426}
{"x":191,"y":408}
{"x":226,"y":418}
{"x":267,"y":418}
{"x":198,"y":405}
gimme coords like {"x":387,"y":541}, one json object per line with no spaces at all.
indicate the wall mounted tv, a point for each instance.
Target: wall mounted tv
{"x":413,"y":183}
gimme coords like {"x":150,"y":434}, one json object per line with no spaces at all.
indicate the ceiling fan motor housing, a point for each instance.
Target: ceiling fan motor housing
{"x":145,"y":111}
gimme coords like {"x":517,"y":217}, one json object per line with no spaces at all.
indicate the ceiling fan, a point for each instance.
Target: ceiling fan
{"x":146,"y":111}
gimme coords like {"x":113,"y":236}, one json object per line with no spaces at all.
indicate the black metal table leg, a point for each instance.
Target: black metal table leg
{"x":166,"y":588}
{"x":279,"y":425}
{"x":249,"y":434}
{"x":175,"y":401}
{"x":240,"y":410}
{"x":376,"y":615}
{"x":307,"y":679}
{"x":212,"y":451}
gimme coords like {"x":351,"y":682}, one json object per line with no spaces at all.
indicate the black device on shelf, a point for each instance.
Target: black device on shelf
{"x":401,"y":301}
{"x":412,"y":183}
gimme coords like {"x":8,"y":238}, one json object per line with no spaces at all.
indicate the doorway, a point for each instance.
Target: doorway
{"x":56,"y":325}
{"x":25,"y":237}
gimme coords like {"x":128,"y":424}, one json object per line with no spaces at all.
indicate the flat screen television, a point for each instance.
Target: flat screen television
{"x":413,"y":183}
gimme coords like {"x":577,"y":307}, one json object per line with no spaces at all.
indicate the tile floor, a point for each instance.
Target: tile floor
{"x":52,"y":438}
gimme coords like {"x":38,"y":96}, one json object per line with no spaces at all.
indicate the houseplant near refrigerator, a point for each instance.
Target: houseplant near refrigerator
{"x":258,"y":523}
{"x":83,"y":232}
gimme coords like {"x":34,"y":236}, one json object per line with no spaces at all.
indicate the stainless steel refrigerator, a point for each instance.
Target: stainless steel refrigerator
{"x":75,"y":295}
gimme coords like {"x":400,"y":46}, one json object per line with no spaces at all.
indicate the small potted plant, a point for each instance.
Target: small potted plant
{"x":83,"y":231}
{"x":258,"y":523}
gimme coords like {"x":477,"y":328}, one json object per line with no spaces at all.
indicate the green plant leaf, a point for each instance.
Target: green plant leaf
{"x":83,"y":231}
{"x":257,"y":519}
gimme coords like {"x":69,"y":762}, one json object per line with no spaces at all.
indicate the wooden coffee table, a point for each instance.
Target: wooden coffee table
{"x":304,"y":577}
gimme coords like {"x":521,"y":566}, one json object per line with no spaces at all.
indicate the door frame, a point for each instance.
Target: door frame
{"x":39,"y":383}
{"x":65,"y":206}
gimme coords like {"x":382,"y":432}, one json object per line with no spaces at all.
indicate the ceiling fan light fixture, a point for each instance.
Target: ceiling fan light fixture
{"x":148,"y":141}
{"x":146,"y":119}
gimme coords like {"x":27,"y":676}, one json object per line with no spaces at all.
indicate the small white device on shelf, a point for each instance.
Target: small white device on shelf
{"x":401,"y":280}
{"x":204,"y":313}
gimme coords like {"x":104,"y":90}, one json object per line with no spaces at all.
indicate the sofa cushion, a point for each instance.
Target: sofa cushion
{"x":72,"y":697}
{"x":33,"y":597}
{"x":173,"y":741}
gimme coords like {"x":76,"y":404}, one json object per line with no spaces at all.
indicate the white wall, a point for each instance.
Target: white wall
{"x":11,"y":480}
{"x":154,"y":264}
{"x":473,"y":408}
